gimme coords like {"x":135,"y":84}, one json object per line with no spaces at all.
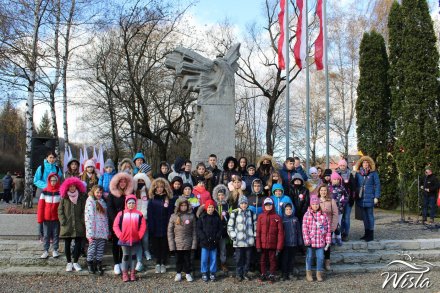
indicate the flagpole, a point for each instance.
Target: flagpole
{"x":307,"y":89}
{"x":286,"y":58}
{"x":327,"y":94}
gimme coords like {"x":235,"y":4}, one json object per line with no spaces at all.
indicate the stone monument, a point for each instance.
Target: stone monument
{"x":214,"y":81}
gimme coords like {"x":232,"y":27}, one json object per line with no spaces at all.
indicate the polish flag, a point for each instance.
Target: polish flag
{"x":300,"y":50}
{"x":319,"y":43}
{"x":282,"y":19}
{"x":100,"y":161}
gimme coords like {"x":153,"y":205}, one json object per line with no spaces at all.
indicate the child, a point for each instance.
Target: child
{"x":329,"y":207}
{"x":317,"y":237}
{"x":292,"y":240}
{"x":299,"y":195}
{"x":164,"y":171}
{"x":209,"y":231}
{"x":257,"y":197}
{"x":270,"y":239}
{"x":274,"y":177}
{"x":72,"y":169}
{"x":265,"y":166}
{"x":159,"y":212}
{"x":47,"y":214}
{"x":200,"y":191}
{"x":182,"y":238}
{"x":176,"y":187}
{"x":141,"y":185}
{"x":326,"y":176}
{"x":190,"y":197}
{"x":249,"y":178}
{"x":340,"y":195}
{"x":126,"y":166}
{"x":104,"y":180}
{"x":202,"y":172}
{"x":121,"y":186}
{"x":229,"y":166}
{"x":97,"y":229}
{"x":236,"y":187}
{"x":129,"y":227}
{"x":242,"y":228}
{"x":279,"y":199}
{"x":349,"y":183}
{"x":139,"y":160}
{"x":314,"y":181}
{"x":221,"y":195}
{"x":71,"y":216}
{"x":89,"y":176}
{"x":242,"y":166}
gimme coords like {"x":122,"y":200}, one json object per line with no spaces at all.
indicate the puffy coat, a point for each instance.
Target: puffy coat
{"x":97,"y":226}
{"x":300,"y":197}
{"x":287,"y":176}
{"x":292,"y":231}
{"x":71,"y":215}
{"x":209,"y":230}
{"x":7,"y":182}
{"x":159,"y":209}
{"x":349,"y":183}
{"x":369,"y":182}
{"x":202,"y":194}
{"x":209,"y":185}
{"x":49,"y":201}
{"x":340,"y":195}
{"x":280,"y":202}
{"x":116,"y":199}
{"x":104,"y":180}
{"x":242,"y":227}
{"x":222,"y":208}
{"x":312,"y":235}
{"x":129,"y":225}
{"x":40,"y":180}
{"x":256,"y":199}
{"x":270,"y":231}
{"x":330,"y":208}
{"x":182,"y":229}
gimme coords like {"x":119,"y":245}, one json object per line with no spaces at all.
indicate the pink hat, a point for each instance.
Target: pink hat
{"x":335,"y":176}
{"x":342,"y":162}
{"x":314,"y":200}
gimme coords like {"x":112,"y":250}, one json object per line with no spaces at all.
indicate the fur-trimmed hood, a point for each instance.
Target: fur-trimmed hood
{"x":216,"y":190}
{"x":225,"y":163}
{"x":142,"y":176}
{"x":125,"y":160}
{"x":207,"y":175}
{"x":180,"y":201}
{"x":154,"y":185}
{"x":114,"y":184}
{"x":267,"y":157}
{"x":365,"y":158}
{"x":72,"y":181}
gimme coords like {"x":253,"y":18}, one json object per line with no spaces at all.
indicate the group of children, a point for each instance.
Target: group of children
{"x":192,"y":213}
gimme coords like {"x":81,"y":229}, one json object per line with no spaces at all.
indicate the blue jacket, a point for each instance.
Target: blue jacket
{"x":292,"y":231}
{"x":286,"y":174}
{"x":248,"y":180}
{"x":104,"y":180}
{"x":371,"y":184}
{"x":137,"y":156}
{"x":40,"y":180}
{"x":7,"y":182}
{"x":280,"y":202}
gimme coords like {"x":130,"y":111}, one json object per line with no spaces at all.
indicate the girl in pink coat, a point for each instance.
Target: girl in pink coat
{"x":129,"y":226}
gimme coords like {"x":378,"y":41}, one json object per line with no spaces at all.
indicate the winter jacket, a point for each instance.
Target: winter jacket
{"x":349,"y":183}
{"x":369,"y":182}
{"x":287,"y":176}
{"x":300,"y":197}
{"x":49,"y":201}
{"x":193,"y":202}
{"x":123,"y":162}
{"x":270,"y":231}
{"x":71,"y":216}
{"x":222,"y":208}
{"x":40,"y":180}
{"x":316,"y":229}
{"x":264,"y":172}
{"x":182,"y":229}
{"x":7,"y":182}
{"x":256,"y":200}
{"x":242,"y":227}
{"x":280,"y":202}
{"x":216,"y":172}
{"x":97,"y":226}
{"x":292,"y":231}
{"x":431,"y":183}
{"x":116,"y":199}
{"x":19,"y":184}
{"x":340,"y":195}
{"x":202,"y":194}
{"x":104,"y":180}
{"x":209,"y":230}
{"x":159,"y":209}
{"x":129,"y":225}
{"x":330,"y":208}
{"x":90,"y":181}
{"x":208,"y":179}
{"x":142,"y":193}
{"x":137,"y":156}
{"x":248,"y":180}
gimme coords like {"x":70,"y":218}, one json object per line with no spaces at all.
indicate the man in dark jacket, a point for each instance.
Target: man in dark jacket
{"x":212,"y":160}
{"x":430,"y":188}
{"x":7,"y":187}
{"x":290,"y":167}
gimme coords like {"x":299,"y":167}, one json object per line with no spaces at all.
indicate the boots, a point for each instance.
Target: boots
{"x":327,"y":265}
{"x":90,"y":267}
{"x":309,"y":276}
{"x":125,"y":276}
{"x":133,"y":275}
{"x":99,"y":268}
{"x":224,"y":268}
{"x":365,"y":235}
{"x":319,"y":276}
{"x":370,"y":236}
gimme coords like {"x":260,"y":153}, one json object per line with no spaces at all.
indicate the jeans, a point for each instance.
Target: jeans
{"x":368,"y":217}
{"x":209,"y":258}
{"x":346,"y":220}
{"x":243,"y":260}
{"x":7,"y":195}
{"x":18,"y":196}
{"x":129,"y":256}
{"x":429,"y":201}
{"x":51,"y":230}
{"x":183,"y":261}
{"x":319,"y":252}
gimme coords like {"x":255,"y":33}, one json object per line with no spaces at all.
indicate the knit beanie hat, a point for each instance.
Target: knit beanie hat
{"x":314,"y":200}
{"x":208,"y":203}
{"x":328,"y":172}
{"x":251,"y":166}
{"x":313,"y":170}
{"x":109,"y":163}
{"x":342,"y":162}
{"x":144,"y":168}
{"x":89,"y":163}
{"x":242,"y":199}
{"x":335,"y":176}
{"x":186,"y":185}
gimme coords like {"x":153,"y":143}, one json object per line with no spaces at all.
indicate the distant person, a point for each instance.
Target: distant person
{"x":7,"y":187}
{"x":430,"y":187}
{"x":19,"y":188}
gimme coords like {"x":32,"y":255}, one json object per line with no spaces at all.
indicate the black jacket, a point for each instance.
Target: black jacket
{"x":209,"y":230}
{"x":301,"y":205}
{"x":431,"y":183}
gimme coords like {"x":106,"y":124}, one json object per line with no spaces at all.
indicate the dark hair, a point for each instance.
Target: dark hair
{"x":201,"y":164}
{"x":163,"y":163}
{"x":296,"y":158}
{"x":51,"y":153}
{"x":290,"y":159}
{"x":187,"y":161}
{"x":213,"y":156}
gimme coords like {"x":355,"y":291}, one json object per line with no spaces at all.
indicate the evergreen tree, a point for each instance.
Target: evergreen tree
{"x":45,"y":128}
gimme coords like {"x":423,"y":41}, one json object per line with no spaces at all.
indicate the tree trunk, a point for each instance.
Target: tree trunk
{"x":54,"y":85}
{"x":270,"y":127}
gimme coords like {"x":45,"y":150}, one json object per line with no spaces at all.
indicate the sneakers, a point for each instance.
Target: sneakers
{"x":117,"y":269}
{"x":212,"y":277}
{"x":69,"y":267}
{"x":163,"y":269}
{"x":139,"y":266}
{"x":271,"y":278}
{"x":157,"y":269}
{"x":262,"y":278}
{"x":77,"y":267}
{"x":147,"y":255}
{"x":189,"y":278}
{"x":55,"y":254}
{"x":338,"y":241}
{"x":125,"y":276}
{"x":239,"y":278}
{"x":45,"y":254}
{"x":204,"y":277}
{"x":178,"y":277}
{"x":246,"y":277}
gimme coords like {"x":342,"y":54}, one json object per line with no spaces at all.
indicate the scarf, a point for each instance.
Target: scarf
{"x":345,"y":174}
{"x":364,"y":172}
{"x":73,"y":196}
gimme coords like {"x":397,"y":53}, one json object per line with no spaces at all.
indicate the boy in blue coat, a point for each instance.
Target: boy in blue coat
{"x":104,"y":180}
{"x":279,"y":199}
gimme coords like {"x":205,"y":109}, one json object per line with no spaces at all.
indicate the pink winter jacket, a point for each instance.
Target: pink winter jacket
{"x":316,"y":229}
{"x":129,"y":225}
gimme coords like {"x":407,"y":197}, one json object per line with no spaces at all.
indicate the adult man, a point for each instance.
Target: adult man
{"x":7,"y":187}
{"x":430,"y":187}
{"x":212,"y":160}
{"x":291,"y":166}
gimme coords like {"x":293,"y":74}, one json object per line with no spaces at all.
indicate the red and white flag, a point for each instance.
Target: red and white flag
{"x":319,"y":43}
{"x":300,"y":50}
{"x":282,"y":19}
{"x":100,"y":162}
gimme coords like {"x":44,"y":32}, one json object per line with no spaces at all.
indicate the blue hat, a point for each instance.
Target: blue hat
{"x":139,"y":156}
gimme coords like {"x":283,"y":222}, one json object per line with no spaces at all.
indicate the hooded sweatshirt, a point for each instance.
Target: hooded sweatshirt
{"x":300,"y":197}
{"x":129,"y":226}
{"x":256,"y":199}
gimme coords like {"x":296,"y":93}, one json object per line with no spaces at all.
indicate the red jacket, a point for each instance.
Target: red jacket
{"x":129,"y":225}
{"x":49,"y":201}
{"x":202,"y":194}
{"x":270,"y":231}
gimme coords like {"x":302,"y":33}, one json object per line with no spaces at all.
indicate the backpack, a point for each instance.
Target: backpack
{"x":42,"y":170}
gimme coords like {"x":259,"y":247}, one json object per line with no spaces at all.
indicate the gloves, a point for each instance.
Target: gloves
{"x":376,"y":200}
{"x":327,"y":247}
